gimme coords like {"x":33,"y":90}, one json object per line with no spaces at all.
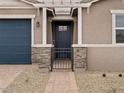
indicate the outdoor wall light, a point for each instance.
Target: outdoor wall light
{"x":38,"y":24}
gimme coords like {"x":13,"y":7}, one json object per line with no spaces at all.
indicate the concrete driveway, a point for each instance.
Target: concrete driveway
{"x":8,"y":73}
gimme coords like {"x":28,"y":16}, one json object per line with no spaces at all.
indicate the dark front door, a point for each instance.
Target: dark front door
{"x":62,"y":40}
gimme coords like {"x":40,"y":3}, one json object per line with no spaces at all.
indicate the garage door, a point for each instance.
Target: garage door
{"x":15,"y":41}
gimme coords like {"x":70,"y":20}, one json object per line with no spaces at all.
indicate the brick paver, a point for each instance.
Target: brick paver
{"x":61,"y":82}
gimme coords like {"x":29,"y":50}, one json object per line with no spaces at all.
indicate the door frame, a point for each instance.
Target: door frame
{"x":53,"y":29}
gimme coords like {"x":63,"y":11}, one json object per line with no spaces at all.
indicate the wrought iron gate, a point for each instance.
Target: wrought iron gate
{"x":62,"y":58}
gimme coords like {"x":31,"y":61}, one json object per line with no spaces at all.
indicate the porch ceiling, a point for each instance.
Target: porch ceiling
{"x":61,"y":11}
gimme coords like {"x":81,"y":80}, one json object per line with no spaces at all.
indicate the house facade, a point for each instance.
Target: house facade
{"x":89,"y":33}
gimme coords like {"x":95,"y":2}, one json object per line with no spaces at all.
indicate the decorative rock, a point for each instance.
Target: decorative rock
{"x":42,"y":56}
{"x":80,"y":59}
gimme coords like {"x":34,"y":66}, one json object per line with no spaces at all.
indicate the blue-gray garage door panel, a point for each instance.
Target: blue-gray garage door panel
{"x":15,"y":41}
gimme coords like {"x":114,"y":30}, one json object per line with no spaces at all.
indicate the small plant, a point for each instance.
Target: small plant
{"x":114,"y":90}
{"x":120,"y":75}
{"x":27,"y":80}
{"x":104,"y":75}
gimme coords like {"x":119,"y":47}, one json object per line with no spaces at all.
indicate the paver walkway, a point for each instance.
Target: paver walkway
{"x":61,"y":82}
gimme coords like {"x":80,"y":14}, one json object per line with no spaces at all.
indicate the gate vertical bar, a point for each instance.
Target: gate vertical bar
{"x":72,"y":59}
{"x":52,"y":58}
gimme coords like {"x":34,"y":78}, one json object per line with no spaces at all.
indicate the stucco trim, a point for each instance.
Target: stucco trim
{"x":98,"y":45}
{"x":113,"y":29}
{"x":44,"y":26}
{"x":16,"y":7}
{"x":42,"y":45}
{"x":32,"y":31}
{"x":117,"y":11}
{"x":17,"y":16}
{"x":80,"y":26}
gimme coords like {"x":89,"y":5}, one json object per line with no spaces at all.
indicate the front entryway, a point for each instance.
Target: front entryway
{"x":62,"y":40}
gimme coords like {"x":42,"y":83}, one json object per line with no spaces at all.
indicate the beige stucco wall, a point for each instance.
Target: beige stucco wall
{"x":75,"y":31}
{"x":13,"y":3}
{"x":97,"y":25}
{"x":106,"y":59}
{"x":49,"y":32}
{"x":38,"y":30}
{"x":97,"y":29}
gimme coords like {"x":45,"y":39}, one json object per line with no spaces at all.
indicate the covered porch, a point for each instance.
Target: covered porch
{"x":59,"y":12}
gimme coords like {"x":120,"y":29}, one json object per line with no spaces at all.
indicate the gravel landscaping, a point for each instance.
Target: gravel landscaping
{"x":98,"y":82}
{"x":29,"y":81}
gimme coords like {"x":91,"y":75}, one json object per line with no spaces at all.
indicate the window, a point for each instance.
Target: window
{"x":119,"y":36}
{"x":118,"y":28}
{"x":63,"y":28}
